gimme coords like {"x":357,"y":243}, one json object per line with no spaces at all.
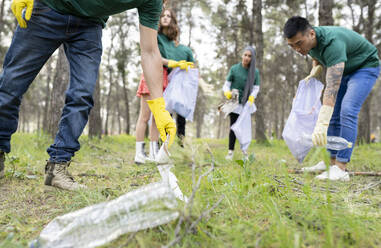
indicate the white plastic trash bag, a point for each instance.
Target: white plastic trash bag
{"x":242,"y":127}
{"x":181,"y":93}
{"x":302,"y":119}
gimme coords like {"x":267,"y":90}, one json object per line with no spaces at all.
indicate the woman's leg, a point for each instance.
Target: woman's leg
{"x":141,"y":125}
{"x":232,"y":138}
{"x":153,"y":136}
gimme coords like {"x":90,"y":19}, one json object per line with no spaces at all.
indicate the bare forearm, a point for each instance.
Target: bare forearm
{"x":333,"y":78}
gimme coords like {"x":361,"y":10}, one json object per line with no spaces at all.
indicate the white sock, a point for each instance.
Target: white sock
{"x":139,"y":147}
{"x":153,"y":148}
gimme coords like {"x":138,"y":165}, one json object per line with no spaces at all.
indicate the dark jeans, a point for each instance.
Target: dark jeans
{"x":232,"y":138}
{"x":30,"y":49}
{"x":180,"y":123}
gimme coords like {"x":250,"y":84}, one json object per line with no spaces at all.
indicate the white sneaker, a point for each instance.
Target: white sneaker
{"x":140,"y":158}
{"x":334,"y":173}
{"x":229,"y":156}
{"x":318,"y":167}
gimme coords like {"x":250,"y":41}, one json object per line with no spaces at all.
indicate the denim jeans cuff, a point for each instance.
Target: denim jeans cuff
{"x":343,"y":160}
{"x":332,"y":153}
{"x":4,"y":149}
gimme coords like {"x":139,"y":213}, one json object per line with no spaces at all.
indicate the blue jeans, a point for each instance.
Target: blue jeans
{"x":29,"y":50}
{"x":353,"y":91}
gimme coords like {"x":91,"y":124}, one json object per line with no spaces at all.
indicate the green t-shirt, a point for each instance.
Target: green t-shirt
{"x":337,"y":44}
{"x":180,"y":52}
{"x":238,"y":75}
{"x":169,"y":50}
{"x":99,"y":10}
{"x":164,"y":43}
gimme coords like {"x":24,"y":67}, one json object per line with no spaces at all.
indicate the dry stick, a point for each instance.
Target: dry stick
{"x":302,"y":184}
{"x":352,"y":173}
{"x":370,"y":186}
{"x":189,"y":205}
{"x":90,"y":175}
{"x":194,"y":223}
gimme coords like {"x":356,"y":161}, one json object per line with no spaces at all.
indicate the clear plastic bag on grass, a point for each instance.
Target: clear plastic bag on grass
{"x":302,"y":119}
{"x":181,"y":93}
{"x":147,"y":207}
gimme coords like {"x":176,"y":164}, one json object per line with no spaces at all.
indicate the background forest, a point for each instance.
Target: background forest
{"x":217,"y":31}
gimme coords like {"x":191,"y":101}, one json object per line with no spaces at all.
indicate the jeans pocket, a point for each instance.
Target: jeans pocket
{"x":40,"y":8}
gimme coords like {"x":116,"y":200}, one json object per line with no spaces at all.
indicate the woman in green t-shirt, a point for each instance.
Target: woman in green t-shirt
{"x":167,"y":41}
{"x":243,"y":82}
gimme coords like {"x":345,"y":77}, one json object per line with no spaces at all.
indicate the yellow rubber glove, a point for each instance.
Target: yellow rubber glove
{"x":316,"y":70}
{"x":182,"y":64}
{"x":164,"y":122}
{"x":18,"y":6}
{"x":319,"y":136}
{"x":228,"y":94}
{"x":251,"y":100}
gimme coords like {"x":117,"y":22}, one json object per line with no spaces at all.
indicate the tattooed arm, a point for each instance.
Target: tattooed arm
{"x":333,"y":78}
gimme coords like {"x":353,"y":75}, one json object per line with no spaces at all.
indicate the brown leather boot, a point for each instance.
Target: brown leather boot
{"x":56,"y":175}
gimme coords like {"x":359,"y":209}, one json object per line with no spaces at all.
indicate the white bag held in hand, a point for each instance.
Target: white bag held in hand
{"x":242,"y":127}
{"x":181,"y":93}
{"x":303,"y":117}
{"x":93,"y":226}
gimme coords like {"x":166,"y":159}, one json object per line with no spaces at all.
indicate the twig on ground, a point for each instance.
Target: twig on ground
{"x":190,"y":226}
{"x":352,"y":173}
{"x":130,"y":238}
{"x":91,"y":175}
{"x":369,"y":186}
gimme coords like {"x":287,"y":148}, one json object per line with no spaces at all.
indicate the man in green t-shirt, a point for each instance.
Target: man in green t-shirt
{"x":77,"y":25}
{"x":352,"y":69}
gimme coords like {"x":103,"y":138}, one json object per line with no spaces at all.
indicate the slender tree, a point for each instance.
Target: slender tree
{"x":57,"y":99}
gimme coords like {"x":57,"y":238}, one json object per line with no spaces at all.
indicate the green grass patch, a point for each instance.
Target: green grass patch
{"x":264,"y":205}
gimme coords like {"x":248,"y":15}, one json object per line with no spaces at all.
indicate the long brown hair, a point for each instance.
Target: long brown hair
{"x":172,"y":31}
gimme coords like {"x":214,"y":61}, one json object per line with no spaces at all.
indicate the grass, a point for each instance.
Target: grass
{"x":264,"y":205}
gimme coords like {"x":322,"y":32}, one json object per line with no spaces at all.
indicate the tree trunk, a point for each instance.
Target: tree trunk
{"x":126,"y":102}
{"x":118,"y":111}
{"x":325,"y":12}
{"x":60,"y":83}
{"x":365,"y":114}
{"x":2,"y":16}
{"x":45,"y":122}
{"x":260,"y":128}
{"x":95,"y":120}
{"x":108,"y":104}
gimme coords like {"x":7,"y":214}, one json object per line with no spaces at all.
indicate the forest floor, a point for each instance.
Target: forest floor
{"x":263,"y":204}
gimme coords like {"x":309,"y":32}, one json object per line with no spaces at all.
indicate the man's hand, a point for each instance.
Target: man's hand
{"x":228,"y":94}
{"x":319,"y":136}
{"x":316,"y":70}
{"x":164,"y":122}
{"x":182,"y":64}
{"x":18,"y":6}
{"x":251,"y":100}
